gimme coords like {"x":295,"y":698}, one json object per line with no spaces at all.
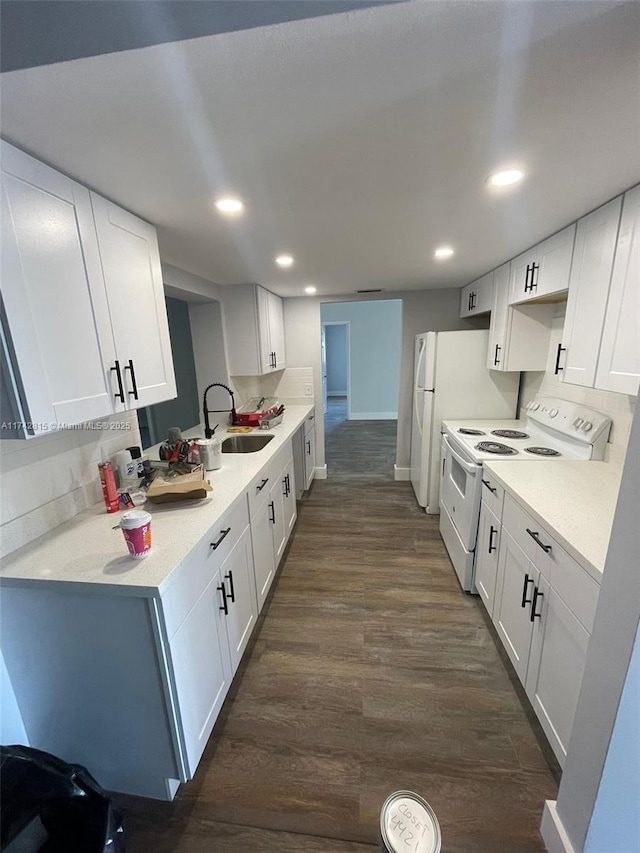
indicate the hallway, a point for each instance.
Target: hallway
{"x":369,"y":671}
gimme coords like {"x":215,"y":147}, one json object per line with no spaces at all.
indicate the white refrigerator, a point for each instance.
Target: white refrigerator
{"x":451,"y":381}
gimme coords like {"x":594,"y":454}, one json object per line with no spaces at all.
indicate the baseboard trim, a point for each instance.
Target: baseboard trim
{"x":373,"y":416}
{"x":320,"y":472}
{"x":552,"y":830}
{"x":401,"y":473}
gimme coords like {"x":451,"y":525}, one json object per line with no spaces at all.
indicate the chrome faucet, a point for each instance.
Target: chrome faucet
{"x":208,"y":432}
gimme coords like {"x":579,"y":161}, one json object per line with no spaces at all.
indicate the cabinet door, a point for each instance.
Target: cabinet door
{"x":276,"y":516}
{"x":477,"y":297}
{"x":487,"y":557}
{"x":556,"y":665}
{"x":517,"y":577}
{"x":289,"y":500}
{"x":309,"y":456}
{"x":544,"y":269}
{"x":264,"y":564}
{"x":264,"y":333}
{"x":588,"y":290}
{"x":201,"y":668}
{"x":133,"y":278}
{"x":238,"y":578}
{"x":276,"y":331}
{"x":619,"y":362}
{"x":56,"y":317}
{"x":499,"y":314}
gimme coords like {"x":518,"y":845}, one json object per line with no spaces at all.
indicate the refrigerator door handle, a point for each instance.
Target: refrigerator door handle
{"x":469,"y":467}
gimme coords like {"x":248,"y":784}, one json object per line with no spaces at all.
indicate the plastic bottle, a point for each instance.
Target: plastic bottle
{"x":108,"y":483}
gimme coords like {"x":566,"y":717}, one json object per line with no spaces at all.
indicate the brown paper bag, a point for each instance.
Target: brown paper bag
{"x":185,"y":487}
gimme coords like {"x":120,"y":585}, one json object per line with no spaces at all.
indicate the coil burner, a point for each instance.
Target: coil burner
{"x":467,"y":431}
{"x":496,"y":447}
{"x":509,"y":433}
{"x":542,"y":451}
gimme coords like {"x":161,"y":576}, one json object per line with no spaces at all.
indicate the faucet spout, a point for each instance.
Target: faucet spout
{"x":208,"y":432}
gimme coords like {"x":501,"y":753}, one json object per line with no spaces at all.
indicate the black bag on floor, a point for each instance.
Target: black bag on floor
{"x":76,"y":813}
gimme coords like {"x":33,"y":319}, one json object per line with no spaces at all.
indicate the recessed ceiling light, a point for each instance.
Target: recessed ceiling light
{"x":310,"y":289}
{"x":230,"y":205}
{"x":443,"y":252}
{"x":284,"y":260}
{"x":505,"y":177}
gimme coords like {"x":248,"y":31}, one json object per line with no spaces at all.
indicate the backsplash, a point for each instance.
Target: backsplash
{"x":48,"y":480}
{"x":619,"y":407}
{"x":290,"y":386}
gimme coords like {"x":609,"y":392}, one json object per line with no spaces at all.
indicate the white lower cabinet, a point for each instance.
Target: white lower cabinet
{"x":556,"y":663}
{"x":202,"y":669}
{"x":486,"y":570}
{"x":304,"y":450}
{"x":239,"y":597}
{"x":517,"y":579}
{"x":543,"y":612}
{"x":273,"y":516}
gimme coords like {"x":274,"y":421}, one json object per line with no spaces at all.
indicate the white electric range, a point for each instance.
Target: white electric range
{"x":552,"y":429}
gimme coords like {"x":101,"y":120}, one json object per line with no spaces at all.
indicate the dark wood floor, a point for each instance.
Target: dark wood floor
{"x":369,"y":671}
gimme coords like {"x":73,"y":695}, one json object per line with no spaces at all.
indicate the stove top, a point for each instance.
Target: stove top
{"x":552,"y":429}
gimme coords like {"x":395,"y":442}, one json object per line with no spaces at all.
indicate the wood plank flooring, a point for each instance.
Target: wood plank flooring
{"x":369,"y":671}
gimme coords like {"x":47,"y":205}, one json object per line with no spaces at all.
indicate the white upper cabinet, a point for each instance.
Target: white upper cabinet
{"x":84,"y":325}
{"x":519,"y":335}
{"x":619,"y":361}
{"x":543,"y":270}
{"x":591,"y":269}
{"x":133,"y":277}
{"x":477,"y":297}
{"x":58,"y":346}
{"x":254,"y":330}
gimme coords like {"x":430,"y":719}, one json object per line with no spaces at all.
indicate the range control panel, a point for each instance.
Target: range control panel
{"x":569,"y":418}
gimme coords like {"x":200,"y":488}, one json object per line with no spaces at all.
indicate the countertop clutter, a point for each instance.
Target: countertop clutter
{"x":86,"y":551}
{"x":576,"y":499}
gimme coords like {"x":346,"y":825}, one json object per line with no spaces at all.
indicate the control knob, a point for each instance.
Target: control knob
{"x":553,"y":413}
{"x":577,"y":423}
{"x":587,"y":426}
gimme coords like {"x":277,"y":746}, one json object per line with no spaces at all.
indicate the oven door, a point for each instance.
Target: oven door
{"x":461,"y":492}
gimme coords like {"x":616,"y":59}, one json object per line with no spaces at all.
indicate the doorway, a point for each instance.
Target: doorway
{"x":336,"y":371}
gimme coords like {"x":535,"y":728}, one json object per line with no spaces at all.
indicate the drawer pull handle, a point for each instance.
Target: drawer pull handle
{"x":525,"y":587}
{"x":535,"y":536}
{"x":224,"y":607}
{"x":496,"y":360}
{"x":272,"y":516}
{"x":286,"y":488}
{"x":536,"y":595}
{"x":262,"y":485}
{"x":223,"y":533}
{"x":232,"y":595}
{"x":491,"y":488}
{"x":129,"y":367}
{"x":492,"y":532}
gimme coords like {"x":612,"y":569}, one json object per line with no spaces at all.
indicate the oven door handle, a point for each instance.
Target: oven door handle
{"x":469,"y":467}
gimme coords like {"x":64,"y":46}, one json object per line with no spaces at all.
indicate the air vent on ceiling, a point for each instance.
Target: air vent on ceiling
{"x":373,"y":290}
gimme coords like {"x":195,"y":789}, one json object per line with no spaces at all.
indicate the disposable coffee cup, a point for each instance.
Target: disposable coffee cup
{"x":136,"y":528}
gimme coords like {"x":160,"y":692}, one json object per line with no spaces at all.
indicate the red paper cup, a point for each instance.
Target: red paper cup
{"x":136,"y":528}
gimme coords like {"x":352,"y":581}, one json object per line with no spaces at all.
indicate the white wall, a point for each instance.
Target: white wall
{"x":375,"y":344}
{"x":619,"y":407}
{"x":615,"y":823}
{"x":336,"y":360}
{"x":422,"y":311}
{"x":48,"y":480}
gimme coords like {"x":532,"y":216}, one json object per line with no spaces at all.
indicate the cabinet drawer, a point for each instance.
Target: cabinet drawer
{"x":517,"y":522}
{"x":577,"y":589}
{"x":492,"y":494}
{"x":258,"y":491}
{"x":566,"y":576}
{"x":197,"y":569}
{"x":309,"y":423}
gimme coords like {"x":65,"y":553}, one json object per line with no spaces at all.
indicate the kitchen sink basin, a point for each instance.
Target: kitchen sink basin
{"x":245,"y":443}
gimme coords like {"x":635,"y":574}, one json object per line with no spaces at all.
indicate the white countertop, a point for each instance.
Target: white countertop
{"x":86,"y":551}
{"x":575,"y":501}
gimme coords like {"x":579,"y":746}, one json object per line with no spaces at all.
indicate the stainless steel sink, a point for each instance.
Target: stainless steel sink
{"x":245,"y":443}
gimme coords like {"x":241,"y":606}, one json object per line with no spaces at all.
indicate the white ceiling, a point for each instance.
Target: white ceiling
{"x":360,"y":141}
